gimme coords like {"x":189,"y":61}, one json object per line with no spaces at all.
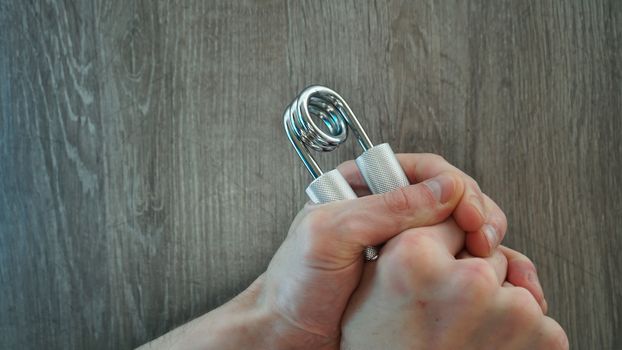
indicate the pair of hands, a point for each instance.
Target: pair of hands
{"x":441,"y":282}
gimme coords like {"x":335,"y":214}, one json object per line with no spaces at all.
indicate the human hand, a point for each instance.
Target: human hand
{"x":419,"y":296}
{"x":298,"y":303}
{"x":316,"y":269}
{"x":475,"y":213}
{"x":313,"y":274}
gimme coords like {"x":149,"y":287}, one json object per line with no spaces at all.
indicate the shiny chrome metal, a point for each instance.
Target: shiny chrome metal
{"x":381,"y":169}
{"x":319,"y":103}
{"x":378,"y":165}
{"x":330,"y":187}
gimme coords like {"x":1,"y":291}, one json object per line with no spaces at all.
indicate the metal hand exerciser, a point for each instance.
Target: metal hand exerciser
{"x":378,"y":165}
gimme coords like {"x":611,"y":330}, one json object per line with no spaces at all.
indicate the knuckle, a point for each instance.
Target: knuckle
{"x":556,"y":339}
{"x":472,"y":183}
{"x":437,"y":158}
{"x":523,"y":307}
{"x":400,"y":258}
{"x":415,"y":240}
{"x":350,"y":222}
{"x":411,"y":253}
{"x":525,"y":264}
{"x":477,"y":279}
{"x":317,"y":220}
{"x":501,"y":259}
{"x":397,"y":201}
{"x":316,"y":233}
{"x":407,"y":246}
{"x":530,"y":266}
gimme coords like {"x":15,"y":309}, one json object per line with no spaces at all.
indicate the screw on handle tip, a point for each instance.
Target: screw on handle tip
{"x":370,"y":253}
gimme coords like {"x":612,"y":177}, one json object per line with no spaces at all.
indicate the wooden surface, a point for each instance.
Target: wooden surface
{"x":145,"y":177}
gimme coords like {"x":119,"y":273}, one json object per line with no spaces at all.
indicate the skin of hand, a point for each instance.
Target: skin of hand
{"x":420,"y":296}
{"x":298,"y":303}
{"x":313,"y":274}
{"x":476,"y":213}
{"x":518,"y":271}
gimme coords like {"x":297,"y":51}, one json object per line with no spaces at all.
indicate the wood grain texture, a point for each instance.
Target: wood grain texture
{"x":145,"y":177}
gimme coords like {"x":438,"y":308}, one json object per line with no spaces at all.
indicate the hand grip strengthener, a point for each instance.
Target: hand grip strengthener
{"x":378,"y":165}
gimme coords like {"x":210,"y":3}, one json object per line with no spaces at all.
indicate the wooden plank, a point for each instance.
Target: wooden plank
{"x":145,"y":177}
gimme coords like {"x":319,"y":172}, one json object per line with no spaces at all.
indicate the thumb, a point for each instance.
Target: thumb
{"x":374,"y":219}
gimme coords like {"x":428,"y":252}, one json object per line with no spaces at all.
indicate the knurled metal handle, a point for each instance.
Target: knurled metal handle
{"x":381,"y":169}
{"x":382,"y":172}
{"x":330,"y":186}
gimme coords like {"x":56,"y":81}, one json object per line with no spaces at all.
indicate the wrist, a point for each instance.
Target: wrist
{"x":242,"y":323}
{"x":248,"y":322}
{"x":238,"y":325}
{"x":245,"y":322}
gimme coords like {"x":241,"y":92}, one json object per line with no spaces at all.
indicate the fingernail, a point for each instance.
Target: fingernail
{"x":491,"y":235}
{"x":545,"y":306}
{"x":442,"y":187}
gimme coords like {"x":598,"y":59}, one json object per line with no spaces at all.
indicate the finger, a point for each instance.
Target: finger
{"x":522,"y":273}
{"x":552,"y":336}
{"x":350,"y":171}
{"x":417,"y":167}
{"x":470,"y":213}
{"x":375,"y":219}
{"x":496,"y":218}
{"x":548,"y":334}
{"x":497,"y":260}
{"x":476,"y":213}
{"x":424,"y":252}
{"x":447,"y":236}
{"x":520,"y":312}
{"x":483,"y":241}
{"x":353,"y":176}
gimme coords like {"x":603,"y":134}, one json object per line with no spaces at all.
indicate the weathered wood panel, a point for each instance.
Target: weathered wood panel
{"x":145,"y":177}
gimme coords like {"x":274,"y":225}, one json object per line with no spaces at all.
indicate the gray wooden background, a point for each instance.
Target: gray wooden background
{"x":145,"y":177}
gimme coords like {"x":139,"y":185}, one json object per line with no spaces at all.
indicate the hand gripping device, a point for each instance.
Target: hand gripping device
{"x":320,"y":105}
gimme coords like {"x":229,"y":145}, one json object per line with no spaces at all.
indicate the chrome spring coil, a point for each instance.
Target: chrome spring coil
{"x":319,"y":103}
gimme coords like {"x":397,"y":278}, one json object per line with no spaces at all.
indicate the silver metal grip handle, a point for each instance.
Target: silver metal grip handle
{"x":382,"y":173}
{"x":331,"y":186}
{"x":381,"y":170}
